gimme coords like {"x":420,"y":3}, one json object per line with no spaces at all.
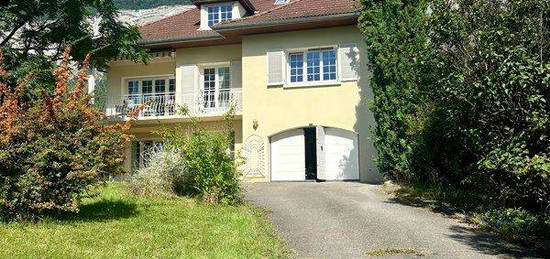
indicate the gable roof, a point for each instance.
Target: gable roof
{"x":184,"y":27}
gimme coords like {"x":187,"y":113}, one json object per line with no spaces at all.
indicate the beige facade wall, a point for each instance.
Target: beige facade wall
{"x":277,"y":109}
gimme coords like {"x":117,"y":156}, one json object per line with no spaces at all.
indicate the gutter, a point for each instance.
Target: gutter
{"x":181,"y":39}
{"x":261,"y":24}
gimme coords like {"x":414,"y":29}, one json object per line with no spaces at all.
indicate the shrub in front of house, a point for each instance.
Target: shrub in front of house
{"x":55,"y":149}
{"x":164,"y":175}
{"x":209,"y":164}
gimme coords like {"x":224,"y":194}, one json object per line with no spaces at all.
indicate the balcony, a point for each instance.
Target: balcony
{"x":169,"y":104}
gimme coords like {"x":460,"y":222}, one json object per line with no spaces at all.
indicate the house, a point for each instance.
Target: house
{"x":294,"y":70}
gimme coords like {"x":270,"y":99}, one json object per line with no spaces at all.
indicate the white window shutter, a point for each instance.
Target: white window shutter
{"x":188,"y":78}
{"x":236,"y":74}
{"x":275,"y":67}
{"x":348,"y":58}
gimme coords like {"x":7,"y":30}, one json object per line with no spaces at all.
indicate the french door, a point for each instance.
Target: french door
{"x":216,"y":85}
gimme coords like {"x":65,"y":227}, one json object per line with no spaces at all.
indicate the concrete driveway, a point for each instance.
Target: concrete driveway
{"x":354,"y":220}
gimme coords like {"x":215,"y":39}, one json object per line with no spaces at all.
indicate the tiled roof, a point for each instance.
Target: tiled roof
{"x":183,"y":25}
{"x":186,"y":24}
{"x":300,"y":9}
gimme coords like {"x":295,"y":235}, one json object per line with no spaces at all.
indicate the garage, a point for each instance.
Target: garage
{"x":314,"y":153}
{"x":288,"y":156}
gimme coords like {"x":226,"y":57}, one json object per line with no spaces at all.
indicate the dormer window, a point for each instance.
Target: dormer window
{"x":219,"y":13}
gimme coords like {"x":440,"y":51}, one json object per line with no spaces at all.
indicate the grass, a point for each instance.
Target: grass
{"x":118,"y":225}
{"x":396,"y":251}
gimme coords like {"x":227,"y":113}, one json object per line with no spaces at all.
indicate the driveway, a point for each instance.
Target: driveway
{"x":354,"y":220}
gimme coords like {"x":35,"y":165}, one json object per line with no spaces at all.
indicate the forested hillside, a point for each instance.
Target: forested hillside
{"x":146,"y":4}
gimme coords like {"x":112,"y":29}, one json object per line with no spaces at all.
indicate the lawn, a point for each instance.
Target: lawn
{"x":118,"y":225}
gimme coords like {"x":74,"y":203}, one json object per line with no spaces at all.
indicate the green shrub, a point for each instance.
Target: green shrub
{"x":55,"y":149}
{"x":461,"y":94}
{"x":516,"y":223}
{"x":165,"y":174}
{"x":209,"y":163}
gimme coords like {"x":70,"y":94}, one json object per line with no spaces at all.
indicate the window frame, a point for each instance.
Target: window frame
{"x":141,"y":79}
{"x":305,"y":82}
{"x":217,"y":82}
{"x":218,"y":13}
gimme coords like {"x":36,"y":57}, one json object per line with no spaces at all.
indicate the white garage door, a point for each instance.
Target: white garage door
{"x":288,"y":156}
{"x":341,"y":155}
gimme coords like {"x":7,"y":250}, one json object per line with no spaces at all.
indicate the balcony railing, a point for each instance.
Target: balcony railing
{"x":171,"y":104}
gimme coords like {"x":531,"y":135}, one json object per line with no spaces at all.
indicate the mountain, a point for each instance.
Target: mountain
{"x":143,"y":16}
{"x":147,"y":4}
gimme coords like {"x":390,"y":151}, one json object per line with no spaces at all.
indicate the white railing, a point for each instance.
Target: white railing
{"x":173,"y":104}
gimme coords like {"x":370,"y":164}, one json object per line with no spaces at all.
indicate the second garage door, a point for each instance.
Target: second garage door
{"x":288,"y":156}
{"x":341,"y":155}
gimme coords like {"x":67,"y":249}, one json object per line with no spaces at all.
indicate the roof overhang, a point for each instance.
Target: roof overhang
{"x":187,"y":42}
{"x":300,"y":23}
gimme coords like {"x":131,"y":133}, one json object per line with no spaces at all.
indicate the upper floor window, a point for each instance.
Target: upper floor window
{"x":219,"y":13}
{"x":330,"y":65}
{"x":313,"y":66}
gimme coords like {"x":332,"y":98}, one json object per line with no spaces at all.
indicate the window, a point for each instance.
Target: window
{"x":296,"y":67}
{"x":216,"y":87}
{"x":153,"y":91}
{"x":313,"y":66}
{"x":160,"y":86}
{"x":133,"y":87}
{"x":149,"y":86}
{"x":219,"y":13}
{"x":329,"y":64}
{"x":146,"y":87}
{"x":209,"y":87}
{"x":172,"y":85}
{"x":319,"y":66}
{"x":144,"y":150}
{"x":226,"y":12}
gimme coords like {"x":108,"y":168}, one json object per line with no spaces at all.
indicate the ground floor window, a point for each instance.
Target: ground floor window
{"x":143,"y":150}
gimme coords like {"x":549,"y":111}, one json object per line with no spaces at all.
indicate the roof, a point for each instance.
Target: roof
{"x":297,"y":9}
{"x":185,"y":26}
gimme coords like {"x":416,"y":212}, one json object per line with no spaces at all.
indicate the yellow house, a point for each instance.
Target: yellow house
{"x":295,"y":70}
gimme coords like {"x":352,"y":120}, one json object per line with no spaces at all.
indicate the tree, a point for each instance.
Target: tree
{"x":54,"y":149}
{"x":462,"y":94}
{"x":34,"y":34}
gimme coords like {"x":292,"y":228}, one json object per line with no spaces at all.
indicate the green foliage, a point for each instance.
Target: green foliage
{"x":53,"y":150}
{"x":146,"y":4}
{"x":33,"y":35}
{"x":211,"y":168}
{"x":164,"y":175}
{"x":515,"y":223}
{"x":461,"y":95}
